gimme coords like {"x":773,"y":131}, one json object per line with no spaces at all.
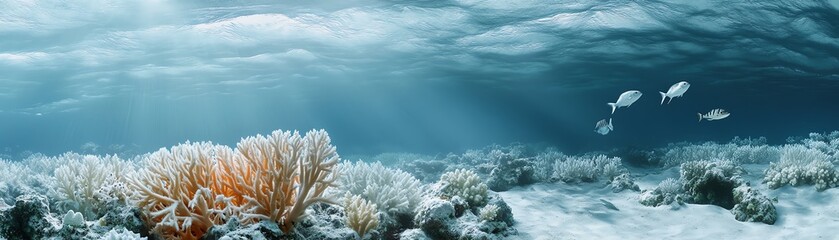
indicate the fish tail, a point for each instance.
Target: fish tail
{"x":614,"y":106}
{"x":700,"y":116}
{"x":663,"y":96}
{"x":611,"y":127}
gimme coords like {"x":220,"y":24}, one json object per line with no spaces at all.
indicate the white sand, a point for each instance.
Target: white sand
{"x":562,"y":211}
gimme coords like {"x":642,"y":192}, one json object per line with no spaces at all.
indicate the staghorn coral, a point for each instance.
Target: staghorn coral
{"x":282,"y":174}
{"x":179,"y":188}
{"x":194,"y":186}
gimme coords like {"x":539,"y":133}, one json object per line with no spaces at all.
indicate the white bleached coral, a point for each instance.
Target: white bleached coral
{"x":488,"y":212}
{"x":362,"y":215}
{"x":739,"y":151}
{"x":121,"y":234}
{"x":73,"y":219}
{"x":465,"y":184}
{"x":587,"y":168}
{"x":392,"y":190}
{"x":800,"y":165}
{"x":86,"y":183}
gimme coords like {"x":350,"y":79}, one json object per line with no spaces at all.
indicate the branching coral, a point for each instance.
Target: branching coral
{"x":393,"y":190}
{"x":85,"y":183}
{"x":489,"y":212}
{"x":739,"y":151}
{"x":800,"y":165}
{"x":283,"y":174}
{"x":587,"y":169}
{"x":194,"y":186}
{"x":362,"y":215}
{"x":465,"y":184}
{"x":12,"y":174}
{"x":179,"y":188}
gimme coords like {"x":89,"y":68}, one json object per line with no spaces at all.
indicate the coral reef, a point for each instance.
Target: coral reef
{"x":711,"y":182}
{"x":393,"y":190}
{"x":668,"y":192}
{"x":86,"y":183}
{"x":396,"y":193}
{"x":440,"y":219}
{"x":800,"y":165}
{"x":738,"y":150}
{"x":716,"y":182}
{"x":623,"y":182}
{"x":192,"y":187}
{"x":752,"y":206}
{"x":362,"y":215}
{"x":121,"y":234}
{"x":587,"y":168}
{"x":509,"y":172}
{"x":29,"y":218}
{"x":465,"y":184}
{"x":488,"y":212}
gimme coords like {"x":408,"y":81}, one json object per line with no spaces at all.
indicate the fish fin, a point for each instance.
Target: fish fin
{"x":671,"y":99}
{"x":700,"y":116}
{"x":614,"y":106}
{"x":611,"y":128}
{"x":663,"y":96}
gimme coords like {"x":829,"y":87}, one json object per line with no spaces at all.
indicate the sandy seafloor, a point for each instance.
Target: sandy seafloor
{"x":561,"y":211}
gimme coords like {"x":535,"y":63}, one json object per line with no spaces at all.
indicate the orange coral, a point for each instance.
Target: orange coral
{"x":194,"y":186}
{"x":291,"y":173}
{"x":179,"y":187}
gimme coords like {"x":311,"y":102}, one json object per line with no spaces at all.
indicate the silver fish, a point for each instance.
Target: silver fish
{"x":677,"y":90}
{"x":715,"y":114}
{"x":626,"y":99}
{"x":602,"y":127}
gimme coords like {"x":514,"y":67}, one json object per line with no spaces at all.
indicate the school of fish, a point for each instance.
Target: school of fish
{"x":678,"y":89}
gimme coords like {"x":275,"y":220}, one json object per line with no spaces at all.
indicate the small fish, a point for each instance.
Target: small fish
{"x":608,"y":205}
{"x":677,"y":90}
{"x":602,"y":127}
{"x":715,"y":114}
{"x":626,"y":99}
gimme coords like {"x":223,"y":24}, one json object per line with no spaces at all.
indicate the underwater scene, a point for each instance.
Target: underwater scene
{"x":415,"y":120}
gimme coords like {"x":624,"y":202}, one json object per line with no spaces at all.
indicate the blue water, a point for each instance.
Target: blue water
{"x":411,"y":76}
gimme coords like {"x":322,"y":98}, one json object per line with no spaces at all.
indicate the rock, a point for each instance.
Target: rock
{"x":711,"y":182}
{"x":413,"y":234}
{"x":510,"y":172}
{"x":437,"y":219}
{"x":623,"y":182}
{"x":29,"y":218}
{"x":323,"y":221}
{"x":434,"y":216}
{"x":504,"y":213}
{"x":425,"y":170}
{"x":460,"y":206}
{"x":326,"y":221}
{"x":130,"y":217}
{"x":752,"y":206}
{"x":656,"y":197}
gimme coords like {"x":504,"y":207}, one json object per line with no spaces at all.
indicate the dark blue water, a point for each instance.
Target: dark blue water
{"x":426,"y":77}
